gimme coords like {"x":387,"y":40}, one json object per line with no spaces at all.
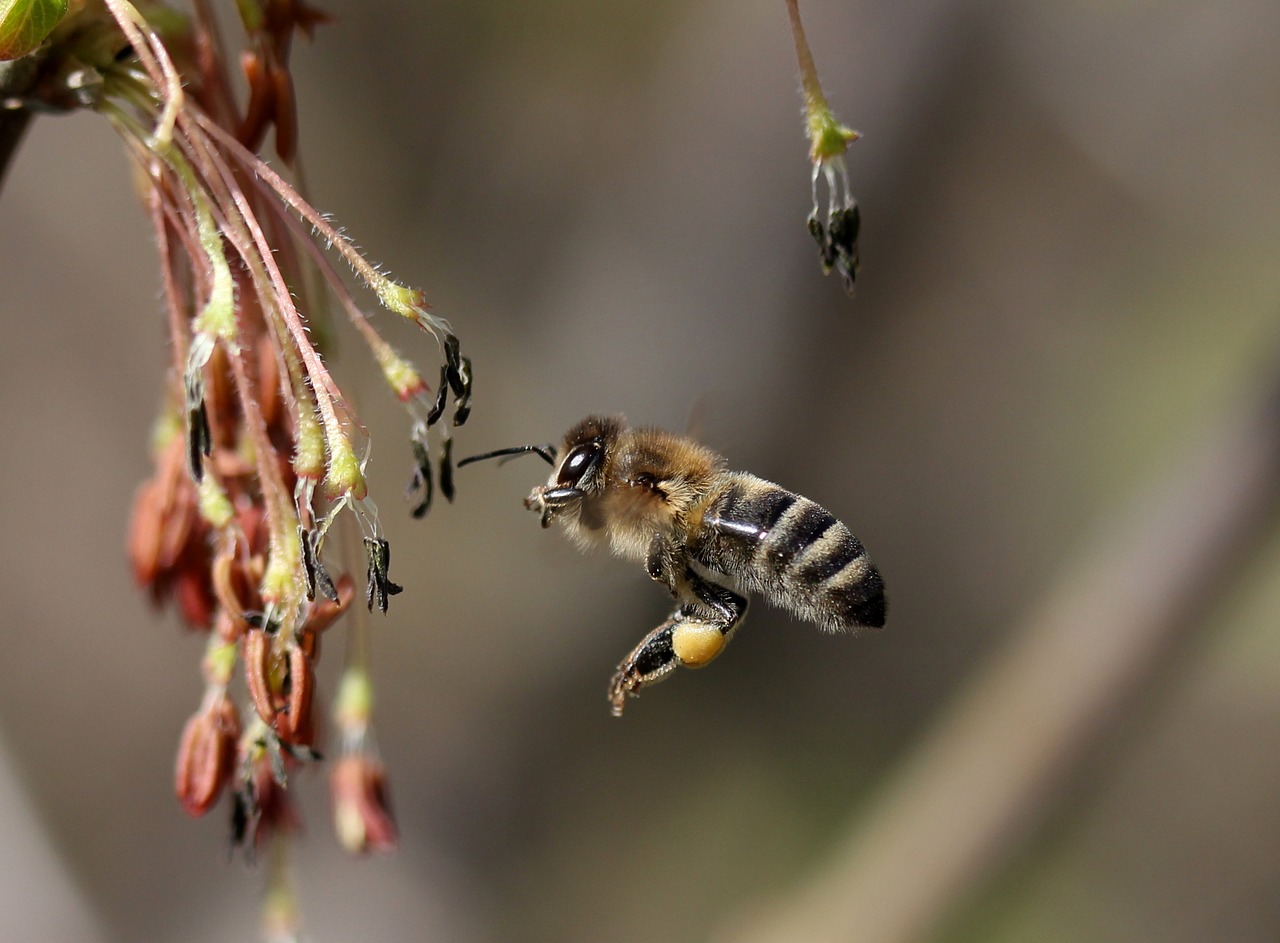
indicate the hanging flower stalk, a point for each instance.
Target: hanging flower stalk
{"x":837,"y":233}
{"x":257,"y":452}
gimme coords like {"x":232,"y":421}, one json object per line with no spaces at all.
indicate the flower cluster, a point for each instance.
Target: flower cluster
{"x":258,"y":514}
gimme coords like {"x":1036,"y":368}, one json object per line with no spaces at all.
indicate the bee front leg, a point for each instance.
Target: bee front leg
{"x":692,"y":637}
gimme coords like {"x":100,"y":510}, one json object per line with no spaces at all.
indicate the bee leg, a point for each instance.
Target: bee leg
{"x":650,"y":661}
{"x":692,"y":637}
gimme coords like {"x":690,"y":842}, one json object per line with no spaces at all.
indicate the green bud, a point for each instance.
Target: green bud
{"x":828,"y":138}
{"x":345,"y":476}
{"x":308,"y":453}
{"x":215,"y":506}
{"x":353,"y":706}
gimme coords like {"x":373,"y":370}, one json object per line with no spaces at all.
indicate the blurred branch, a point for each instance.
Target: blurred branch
{"x":13,"y":123}
{"x":987,"y":774}
{"x":39,"y":896}
{"x":16,"y":79}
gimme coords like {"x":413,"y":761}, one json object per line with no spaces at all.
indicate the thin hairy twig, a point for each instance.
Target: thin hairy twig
{"x":987,"y":774}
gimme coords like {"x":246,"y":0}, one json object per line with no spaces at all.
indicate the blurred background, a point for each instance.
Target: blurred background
{"x":1069,"y":289}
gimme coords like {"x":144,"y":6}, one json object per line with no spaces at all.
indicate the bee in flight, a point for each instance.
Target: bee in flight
{"x":672,"y":504}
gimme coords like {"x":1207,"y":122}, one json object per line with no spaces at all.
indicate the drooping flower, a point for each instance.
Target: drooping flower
{"x":836,"y":230}
{"x":258,"y":507}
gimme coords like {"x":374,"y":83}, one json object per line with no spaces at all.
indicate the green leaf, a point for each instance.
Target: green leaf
{"x":25,"y":24}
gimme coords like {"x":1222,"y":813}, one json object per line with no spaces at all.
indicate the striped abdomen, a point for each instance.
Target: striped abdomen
{"x":792,"y":550}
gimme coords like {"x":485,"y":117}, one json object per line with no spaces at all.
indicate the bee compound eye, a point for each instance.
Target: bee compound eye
{"x":577,"y":463}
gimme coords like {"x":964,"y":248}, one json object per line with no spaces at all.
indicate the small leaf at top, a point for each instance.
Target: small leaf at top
{"x":25,"y":24}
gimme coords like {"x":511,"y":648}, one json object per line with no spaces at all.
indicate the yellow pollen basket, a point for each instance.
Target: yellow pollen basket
{"x":696,"y":643}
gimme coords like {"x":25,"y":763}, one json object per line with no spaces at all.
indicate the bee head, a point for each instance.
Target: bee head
{"x":578,"y":465}
{"x":579,"y":468}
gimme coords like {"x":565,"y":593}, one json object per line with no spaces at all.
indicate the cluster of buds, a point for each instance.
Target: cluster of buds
{"x":258,"y":455}
{"x":836,"y":230}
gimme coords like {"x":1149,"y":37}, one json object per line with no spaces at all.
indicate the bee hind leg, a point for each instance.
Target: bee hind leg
{"x":691,"y":638}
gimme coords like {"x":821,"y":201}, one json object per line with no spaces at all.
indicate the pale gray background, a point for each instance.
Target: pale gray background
{"x":1071,"y":230}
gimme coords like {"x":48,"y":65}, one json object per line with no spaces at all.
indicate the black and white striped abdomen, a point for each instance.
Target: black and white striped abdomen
{"x":792,"y":550}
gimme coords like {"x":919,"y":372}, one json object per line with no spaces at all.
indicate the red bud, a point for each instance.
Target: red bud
{"x":206,"y":755}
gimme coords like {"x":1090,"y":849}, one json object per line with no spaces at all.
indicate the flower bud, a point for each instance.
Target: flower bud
{"x":214,"y":505}
{"x":293,"y":724}
{"x":257,"y":655}
{"x":345,"y":476}
{"x":269,"y":399}
{"x":361,"y":810}
{"x":194,"y":595}
{"x":231,"y":587}
{"x":206,"y":755}
{"x":309,"y":446}
{"x":400,"y":374}
{"x":145,"y":525}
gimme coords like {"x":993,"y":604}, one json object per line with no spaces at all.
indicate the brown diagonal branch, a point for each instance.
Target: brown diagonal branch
{"x":985,"y":777}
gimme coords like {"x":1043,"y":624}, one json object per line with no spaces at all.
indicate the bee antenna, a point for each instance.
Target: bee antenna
{"x":546,"y":452}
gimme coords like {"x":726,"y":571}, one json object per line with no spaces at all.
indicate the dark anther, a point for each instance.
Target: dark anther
{"x":453,"y":364}
{"x":422,"y":478}
{"x":838,"y":242}
{"x":260,"y":620}
{"x":446,"y":470}
{"x":244,"y":816}
{"x":843,"y":227}
{"x":819,"y":233}
{"x":379,"y":588}
{"x":437,"y":408}
{"x":199,"y":439}
{"x":462,"y":408}
{"x":317,"y":576}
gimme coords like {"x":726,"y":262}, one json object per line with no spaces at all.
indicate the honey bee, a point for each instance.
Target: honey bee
{"x":672,"y":504}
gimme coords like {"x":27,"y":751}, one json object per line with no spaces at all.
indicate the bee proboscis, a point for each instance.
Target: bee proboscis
{"x":708,"y":534}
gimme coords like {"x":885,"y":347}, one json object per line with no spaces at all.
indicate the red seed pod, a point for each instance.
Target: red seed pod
{"x":206,"y":755}
{"x":225,"y":585}
{"x":232,"y":587}
{"x":257,"y":655}
{"x":164,"y":518}
{"x":258,"y":110}
{"x":220,"y":400}
{"x":361,"y":807}
{"x":144,"y":533}
{"x":286,"y":113}
{"x":269,"y":400}
{"x":293,"y":724}
{"x":179,"y":520}
{"x":194,"y":595}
